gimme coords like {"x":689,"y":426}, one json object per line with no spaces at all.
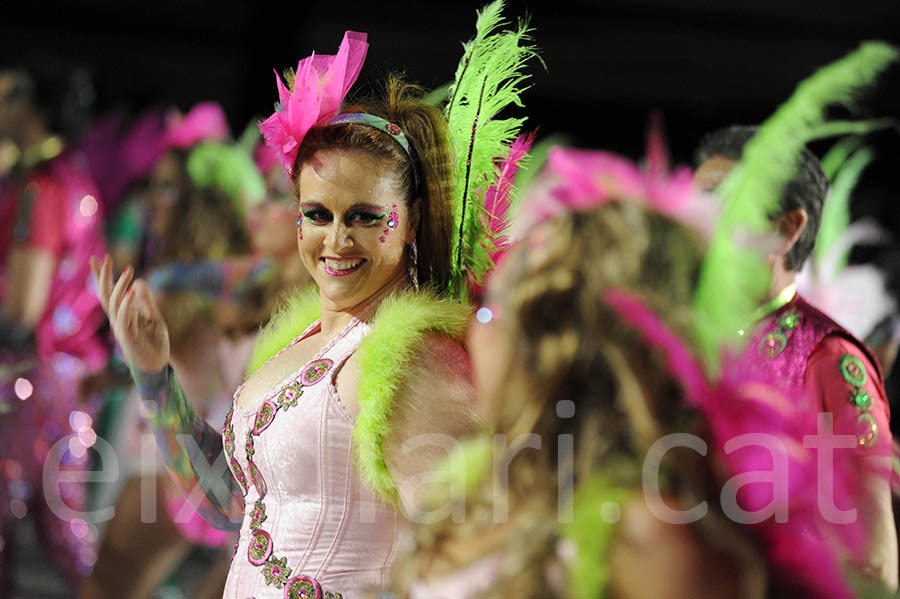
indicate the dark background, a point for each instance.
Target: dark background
{"x":703,"y":63}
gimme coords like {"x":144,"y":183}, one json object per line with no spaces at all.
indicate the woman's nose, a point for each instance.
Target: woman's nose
{"x":339,"y":236}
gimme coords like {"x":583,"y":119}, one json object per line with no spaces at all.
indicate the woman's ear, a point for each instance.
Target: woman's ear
{"x":415,"y":213}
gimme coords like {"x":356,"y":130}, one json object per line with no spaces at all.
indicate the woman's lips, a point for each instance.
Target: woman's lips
{"x":341,"y":267}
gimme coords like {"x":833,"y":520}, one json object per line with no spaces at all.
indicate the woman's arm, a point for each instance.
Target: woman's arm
{"x":432,"y":412}
{"x":191,"y":448}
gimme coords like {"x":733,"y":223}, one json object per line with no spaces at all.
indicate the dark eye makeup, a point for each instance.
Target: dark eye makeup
{"x":357,"y":214}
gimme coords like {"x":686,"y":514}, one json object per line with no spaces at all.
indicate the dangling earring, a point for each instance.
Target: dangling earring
{"x":300,"y":225}
{"x":413,"y":260}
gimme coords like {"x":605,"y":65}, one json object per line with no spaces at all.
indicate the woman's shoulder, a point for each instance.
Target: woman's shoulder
{"x":297,"y":312}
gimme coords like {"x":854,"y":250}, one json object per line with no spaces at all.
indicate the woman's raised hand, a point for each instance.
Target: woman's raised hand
{"x":136,"y":321}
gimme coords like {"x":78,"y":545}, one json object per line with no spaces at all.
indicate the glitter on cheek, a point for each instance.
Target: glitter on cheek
{"x":392,"y":222}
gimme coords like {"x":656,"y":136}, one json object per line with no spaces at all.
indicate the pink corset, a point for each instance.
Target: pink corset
{"x":310,"y":525}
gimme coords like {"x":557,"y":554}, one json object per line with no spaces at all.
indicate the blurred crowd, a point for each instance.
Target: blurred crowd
{"x":208,"y":219}
{"x":206,"y":216}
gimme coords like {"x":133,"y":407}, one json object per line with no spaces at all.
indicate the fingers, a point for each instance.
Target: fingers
{"x":118,"y":292}
{"x":143,"y":292}
{"x":125,"y":315}
{"x":103,"y":273}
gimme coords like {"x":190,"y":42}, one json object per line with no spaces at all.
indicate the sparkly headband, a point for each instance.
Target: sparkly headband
{"x":394,"y":131}
{"x":370,"y":120}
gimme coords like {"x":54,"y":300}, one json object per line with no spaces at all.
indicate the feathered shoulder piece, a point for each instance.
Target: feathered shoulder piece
{"x":489,"y":78}
{"x":734,"y":279}
{"x":402,"y":321}
{"x":295,"y":315}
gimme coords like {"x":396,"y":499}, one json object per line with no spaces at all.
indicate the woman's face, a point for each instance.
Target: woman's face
{"x":273,"y":223}
{"x":167,"y":182}
{"x":355,"y":226}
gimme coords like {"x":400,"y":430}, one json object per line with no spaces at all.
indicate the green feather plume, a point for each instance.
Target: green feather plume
{"x":836,"y":211}
{"x":228,"y":168}
{"x":488,"y":79}
{"x":836,"y":128}
{"x":734,"y":279}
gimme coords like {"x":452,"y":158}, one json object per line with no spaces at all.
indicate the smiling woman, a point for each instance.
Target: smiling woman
{"x":359,"y":384}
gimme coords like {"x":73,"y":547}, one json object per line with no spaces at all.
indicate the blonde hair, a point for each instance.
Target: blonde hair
{"x":569,"y":345}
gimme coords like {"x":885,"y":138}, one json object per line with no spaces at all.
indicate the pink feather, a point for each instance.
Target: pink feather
{"x":740,"y":403}
{"x":321,"y":82}
{"x":498,"y":198}
{"x":657,"y":153}
{"x":204,"y":122}
{"x":679,"y":358}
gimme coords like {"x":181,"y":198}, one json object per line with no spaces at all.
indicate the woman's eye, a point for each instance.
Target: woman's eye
{"x":366,"y":218}
{"x":317,"y":216}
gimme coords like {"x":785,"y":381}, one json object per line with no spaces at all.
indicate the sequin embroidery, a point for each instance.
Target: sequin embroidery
{"x":303,"y":587}
{"x":258,"y":515}
{"x":264,"y":416}
{"x":772,"y":344}
{"x":228,"y":434}
{"x":853,"y":371}
{"x":258,"y":481}
{"x":248,"y":447}
{"x":276,"y":571}
{"x":239,"y":475}
{"x":315,"y":370}
{"x":866,"y":431}
{"x":288,"y":398}
{"x":260,"y":548}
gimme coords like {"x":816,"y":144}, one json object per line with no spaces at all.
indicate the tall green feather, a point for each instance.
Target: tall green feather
{"x":489,"y":78}
{"x":734,"y":279}
{"x":836,"y":211}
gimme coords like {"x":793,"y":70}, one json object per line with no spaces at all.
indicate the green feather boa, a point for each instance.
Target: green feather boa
{"x":401,"y":322}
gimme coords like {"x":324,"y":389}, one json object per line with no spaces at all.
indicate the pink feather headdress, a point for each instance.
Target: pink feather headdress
{"x":320,"y":84}
{"x":582,"y":180}
{"x":204,"y":122}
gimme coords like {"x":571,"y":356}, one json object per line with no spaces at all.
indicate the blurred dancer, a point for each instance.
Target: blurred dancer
{"x":50,"y":224}
{"x":136,"y":555}
{"x":796,"y":344}
{"x":584,"y":361}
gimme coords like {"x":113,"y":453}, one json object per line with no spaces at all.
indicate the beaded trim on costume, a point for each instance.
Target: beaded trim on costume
{"x":261,"y":547}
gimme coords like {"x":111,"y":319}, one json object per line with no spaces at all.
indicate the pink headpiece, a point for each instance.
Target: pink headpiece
{"x":582,"y":180}
{"x":204,"y":122}
{"x":265,"y":158}
{"x":320,"y":85}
